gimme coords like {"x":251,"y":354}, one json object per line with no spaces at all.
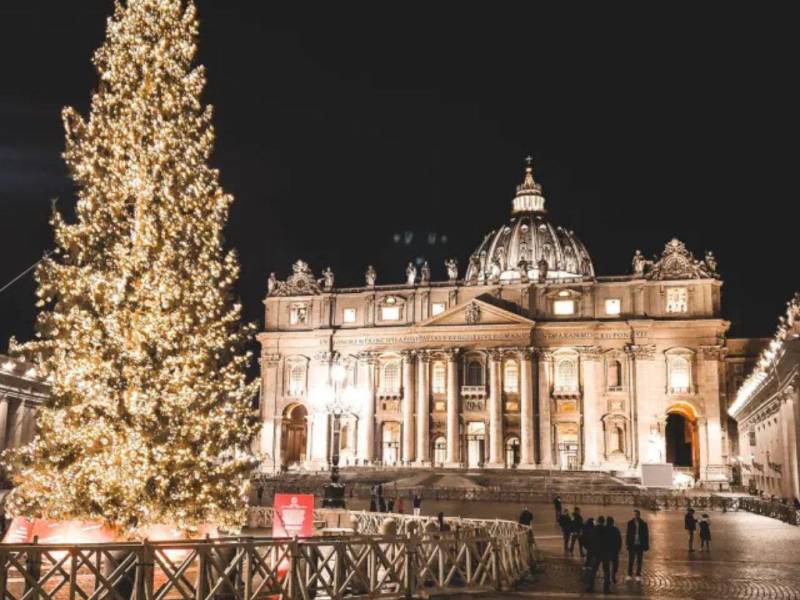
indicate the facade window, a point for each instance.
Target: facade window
{"x":613,"y":307}
{"x":345,"y":437}
{"x":349,"y":315}
{"x":618,"y":439}
{"x":511,"y":377}
{"x":439,"y":450}
{"x":677,"y":300}
{"x":437,"y":308}
{"x":614,"y":375}
{"x":390,"y":313}
{"x":679,"y":374}
{"x":564,"y":307}
{"x":439,"y":378}
{"x":474,"y":373}
{"x":567,"y":375}
{"x":297,"y":379}
{"x":390,"y":378}
{"x":298,"y":314}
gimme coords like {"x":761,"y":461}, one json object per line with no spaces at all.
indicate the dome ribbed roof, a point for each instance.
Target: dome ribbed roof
{"x":519,"y":249}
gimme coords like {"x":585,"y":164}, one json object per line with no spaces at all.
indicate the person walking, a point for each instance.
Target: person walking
{"x":400,"y":505}
{"x":614,"y":547}
{"x":390,"y":505}
{"x":587,"y":541}
{"x":705,"y":534}
{"x":557,"y":506}
{"x":637,"y":541}
{"x":600,"y":544}
{"x":525,"y":517}
{"x":565,"y":523}
{"x":690,"y":525}
{"x":575,"y":532}
{"x":417,"y":504}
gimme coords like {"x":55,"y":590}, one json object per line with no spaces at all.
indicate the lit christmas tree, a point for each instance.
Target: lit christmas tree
{"x":150,"y":420}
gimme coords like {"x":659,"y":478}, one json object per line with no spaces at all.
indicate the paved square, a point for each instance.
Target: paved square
{"x":751,"y":556}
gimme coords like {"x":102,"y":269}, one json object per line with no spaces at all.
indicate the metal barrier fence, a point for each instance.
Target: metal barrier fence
{"x":474,"y":556}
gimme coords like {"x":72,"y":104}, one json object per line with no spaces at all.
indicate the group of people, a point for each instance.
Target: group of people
{"x":378,"y":503}
{"x":691,"y":524}
{"x":599,"y":542}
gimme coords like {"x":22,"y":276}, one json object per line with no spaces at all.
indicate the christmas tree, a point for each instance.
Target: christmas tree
{"x":150,"y":420}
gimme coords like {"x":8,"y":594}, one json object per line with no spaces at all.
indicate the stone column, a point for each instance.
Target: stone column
{"x":526,"y":459}
{"x":320,"y":445}
{"x":3,"y":421}
{"x":591,"y":421}
{"x":545,"y":360}
{"x":709,"y":367}
{"x":408,"y":407}
{"x":423,"y":410}
{"x":366,"y":451}
{"x":269,"y":442}
{"x":495,"y":412}
{"x":453,"y":445}
{"x":642,"y":405}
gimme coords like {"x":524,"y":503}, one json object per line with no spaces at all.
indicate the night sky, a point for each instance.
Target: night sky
{"x":343,"y":128}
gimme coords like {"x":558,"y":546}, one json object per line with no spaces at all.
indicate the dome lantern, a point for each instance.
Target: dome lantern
{"x":529,"y":196}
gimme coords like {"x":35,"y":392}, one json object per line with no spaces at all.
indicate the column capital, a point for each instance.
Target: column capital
{"x":368,"y":357}
{"x":525,"y":353}
{"x":423,"y":356}
{"x":641,"y":351}
{"x":543,"y":354}
{"x":590,"y":352}
{"x":270,"y":360}
{"x":451,"y":353}
{"x":496,"y":354}
{"x":712,"y":353}
{"x":408,"y":354}
{"x":326,"y":358}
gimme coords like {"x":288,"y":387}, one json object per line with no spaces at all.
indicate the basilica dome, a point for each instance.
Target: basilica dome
{"x":529,"y":247}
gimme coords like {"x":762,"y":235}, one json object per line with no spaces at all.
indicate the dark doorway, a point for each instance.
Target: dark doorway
{"x":679,"y":438}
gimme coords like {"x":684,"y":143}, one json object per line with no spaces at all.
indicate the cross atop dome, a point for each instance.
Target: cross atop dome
{"x":529,"y":193}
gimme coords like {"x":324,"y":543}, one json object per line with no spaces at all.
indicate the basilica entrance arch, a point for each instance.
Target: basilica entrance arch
{"x":294,"y":434}
{"x":567,"y":446}
{"x":682,"y":439}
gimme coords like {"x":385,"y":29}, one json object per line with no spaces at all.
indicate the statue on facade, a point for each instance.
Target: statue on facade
{"x":496,"y":270}
{"x":474,"y":269}
{"x":425,"y":274}
{"x":327,"y":279}
{"x":711,"y":262}
{"x":411,"y":274}
{"x":543,"y":268}
{"x":272,"y":284}
{"x":501,"y":257}
{"x":451,"y":264}
{"x":472,"y":314}
{"x":522,"y":265}
{"x":371,"y":276}
{"x":638,"y":263}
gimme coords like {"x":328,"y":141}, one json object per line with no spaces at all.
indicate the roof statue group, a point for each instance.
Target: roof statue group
{"x":527,"y":248}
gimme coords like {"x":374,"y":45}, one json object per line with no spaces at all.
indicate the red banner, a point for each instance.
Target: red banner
{"x":294,"y":515}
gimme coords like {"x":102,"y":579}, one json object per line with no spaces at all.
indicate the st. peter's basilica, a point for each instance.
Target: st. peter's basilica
{"x":527,"y":360}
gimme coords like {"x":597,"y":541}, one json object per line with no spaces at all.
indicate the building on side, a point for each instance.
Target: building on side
{"x":526,"y":359}
{"x":21,"y":393}
{"x":766,"y":410}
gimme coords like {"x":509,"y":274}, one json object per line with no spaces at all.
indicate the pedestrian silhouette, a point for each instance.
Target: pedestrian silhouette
{"x":690,"y":525}
{"x":615,"y":545}
{"x":705,"y":534}
{"x":600,"y":544}
{"x":637,"y":541}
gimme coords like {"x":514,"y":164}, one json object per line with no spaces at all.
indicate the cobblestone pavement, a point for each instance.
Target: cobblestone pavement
{"x":751,"y":556}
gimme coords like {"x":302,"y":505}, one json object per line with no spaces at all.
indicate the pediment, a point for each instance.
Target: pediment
{"x":477,"y":312}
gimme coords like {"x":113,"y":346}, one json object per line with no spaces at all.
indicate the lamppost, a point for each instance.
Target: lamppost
{"x":336,"y":399}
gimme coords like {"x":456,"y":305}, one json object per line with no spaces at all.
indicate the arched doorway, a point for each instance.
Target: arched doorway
{"x":439,"y":450}
{"x":476,"y":441}
{"x":512,"y":452}
{"x":682,"y":441}
{"x":294,"y":434}
{"x":390,"y":443}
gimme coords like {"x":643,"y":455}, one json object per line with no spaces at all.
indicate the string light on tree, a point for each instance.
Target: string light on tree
{"x":150,"y":420}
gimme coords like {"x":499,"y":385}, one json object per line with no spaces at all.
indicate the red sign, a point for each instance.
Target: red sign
{"x":293,"y":515}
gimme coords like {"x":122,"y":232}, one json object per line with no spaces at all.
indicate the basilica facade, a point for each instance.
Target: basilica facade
{"x":528,"y":359}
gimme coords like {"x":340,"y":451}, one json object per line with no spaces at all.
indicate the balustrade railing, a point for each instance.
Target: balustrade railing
{"x":414,"y":560}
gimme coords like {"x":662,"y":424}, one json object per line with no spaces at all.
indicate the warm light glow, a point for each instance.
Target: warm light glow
{"x":613,"y":306}
{"x":150,"y":418}
{"x":564,"y":307}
